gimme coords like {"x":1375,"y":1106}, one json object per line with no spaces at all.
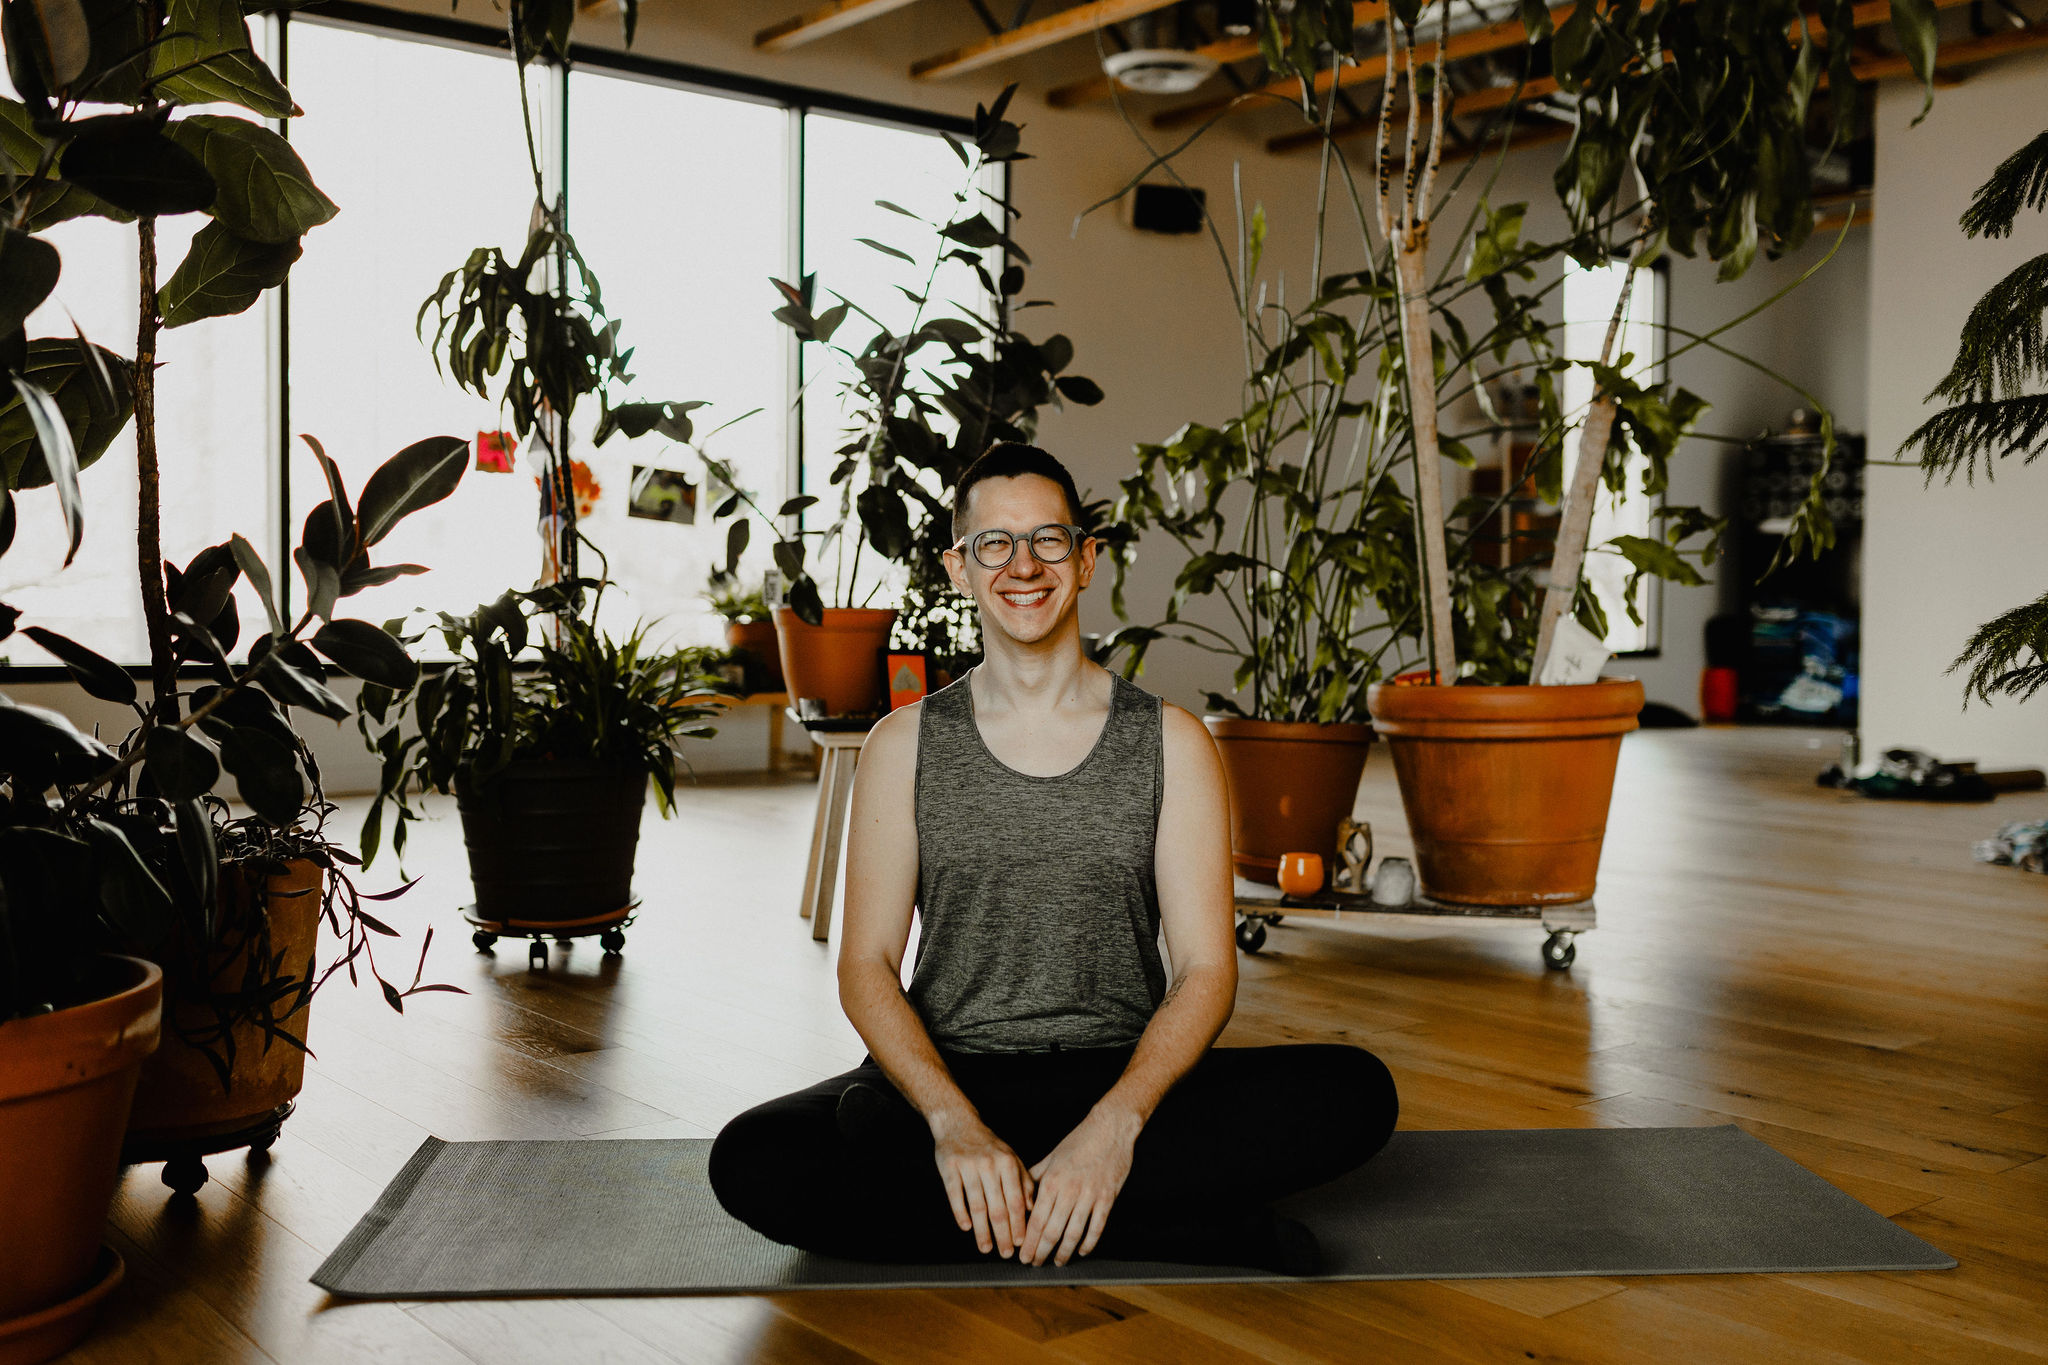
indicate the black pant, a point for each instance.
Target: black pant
{"x":1244,"y":1127}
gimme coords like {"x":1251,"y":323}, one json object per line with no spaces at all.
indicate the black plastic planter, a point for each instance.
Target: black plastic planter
{"x":552,"y":842}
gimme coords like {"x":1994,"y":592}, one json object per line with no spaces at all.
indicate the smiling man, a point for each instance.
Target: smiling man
{"x":1046,"y":1087}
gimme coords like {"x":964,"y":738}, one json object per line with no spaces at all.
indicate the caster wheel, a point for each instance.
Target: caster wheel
{"x":1276,"y":919}
{"x":1251,"y":935}
{"x":260,"y":1149}
{"x":537,"y":956}
{"x":566,"y":942}
{"x":484,"y":942}
{"x":185,"y":1175}
{"x":1558,"y":951}
{"x":612,"y":941}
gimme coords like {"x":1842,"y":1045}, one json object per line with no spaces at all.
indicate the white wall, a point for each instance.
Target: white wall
{"x":1940,"y":560}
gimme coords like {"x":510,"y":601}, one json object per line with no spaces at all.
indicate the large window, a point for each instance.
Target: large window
{"x":1589,"y":300}
{"x":683,"y":197}
{"x":680,"y":201}
{"x":854,"y":170}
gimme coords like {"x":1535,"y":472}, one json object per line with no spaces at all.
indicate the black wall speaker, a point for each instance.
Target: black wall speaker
{"x":1170,"y":209}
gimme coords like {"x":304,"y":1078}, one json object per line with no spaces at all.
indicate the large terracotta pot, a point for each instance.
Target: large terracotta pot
{"x":764,"y":654}
{"x":1291,"y":785}
{"x":552,"y":841}
{"x":838,"y":661}
{"x":180,"y":1097}
{"x":66,"y":1079}
{"x":1506,"y":788}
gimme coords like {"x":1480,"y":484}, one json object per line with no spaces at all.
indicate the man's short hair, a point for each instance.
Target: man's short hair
{"x":1006,"y":460}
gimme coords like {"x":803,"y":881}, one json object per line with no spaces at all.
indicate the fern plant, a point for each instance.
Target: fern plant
{"x":1992,"y":415}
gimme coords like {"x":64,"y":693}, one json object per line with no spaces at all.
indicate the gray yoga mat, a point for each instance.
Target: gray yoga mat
{"x":477,"y":1219}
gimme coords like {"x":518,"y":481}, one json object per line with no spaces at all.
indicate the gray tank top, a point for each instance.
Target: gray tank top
{"x":1039,"y":909}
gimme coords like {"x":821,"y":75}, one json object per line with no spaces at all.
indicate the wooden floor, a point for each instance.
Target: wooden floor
{"x":1834,"y":975}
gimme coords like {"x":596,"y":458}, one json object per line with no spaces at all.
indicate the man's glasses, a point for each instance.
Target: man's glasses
{"x":1050,"y":544}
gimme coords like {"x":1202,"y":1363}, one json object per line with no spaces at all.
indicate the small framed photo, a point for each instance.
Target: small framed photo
{"x":662,"y":495}
{"x":907,"y":673}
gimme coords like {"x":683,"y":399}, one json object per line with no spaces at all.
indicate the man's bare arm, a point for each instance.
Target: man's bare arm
{"x":988,"y":1186}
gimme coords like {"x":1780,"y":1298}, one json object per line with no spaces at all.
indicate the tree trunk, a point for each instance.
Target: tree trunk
{"x":149,"y":556}
{"x":1575,"y":525}
{"x":1412,"y":269}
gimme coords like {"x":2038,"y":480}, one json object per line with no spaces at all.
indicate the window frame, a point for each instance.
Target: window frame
{"x":798,"y":101}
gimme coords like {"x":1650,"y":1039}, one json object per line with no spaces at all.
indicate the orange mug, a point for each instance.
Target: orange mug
{"x":1301,"y":874}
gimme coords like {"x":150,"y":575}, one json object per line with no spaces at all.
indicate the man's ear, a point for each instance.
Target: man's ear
{"x":956,"y":570}
{"x":1089,"y":545}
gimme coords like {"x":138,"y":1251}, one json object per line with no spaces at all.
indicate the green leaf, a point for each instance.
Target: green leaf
{"x":886,"y":249}
{"x":56,"y":366}
{"x":182,"y":768}
{"x":1656,"y":558}
{"x":805,"y":602}
{"x":736,"y":544}
{"x":201,"y":856}
{"x":259,"y":579}
{"x":1915,"y":23}
{"x":100,"y":676}
{"x":897,"y":208}
{"x":418,"y":476}
{"x":1079,"y":389}
{"x":266,"y":773}
{"x":127,"y":160}
{"x":60,"y":457}
{"x":366,"y":651}
{"x":266,"y":194}
{"x":223,"y":274}
{"x":135,"y":902}
{"x":29,"y":267}
{"x":21,"y":152}
{"x":288,"y":684}
{"x":323,"y":582}
{"x":206,"y":59}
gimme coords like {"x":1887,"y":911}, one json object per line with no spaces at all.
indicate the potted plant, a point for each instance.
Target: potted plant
{"x":548,"y":740}
{"x":229,"y":906}
{"x":749,"y":629}
{"x":1346,"y":539}
{"x":75,"y":1026}
{"x":924,"y":404}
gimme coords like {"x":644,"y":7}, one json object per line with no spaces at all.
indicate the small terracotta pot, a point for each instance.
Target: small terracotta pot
{"x":1291,"y":785}
{"x":180,"y":1095}
{"x":764,"y":654}
{"x":1506,"y":788}
{"x":66,"y":1080}
{"x":840,"y":661}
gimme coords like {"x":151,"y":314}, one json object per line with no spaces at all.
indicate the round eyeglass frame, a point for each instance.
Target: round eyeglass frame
{"x":1075,"y":535}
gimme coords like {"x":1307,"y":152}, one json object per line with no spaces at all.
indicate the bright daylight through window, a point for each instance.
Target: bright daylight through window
{"x":421,"y":178}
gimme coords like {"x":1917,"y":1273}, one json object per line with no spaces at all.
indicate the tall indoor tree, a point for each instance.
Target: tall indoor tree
{"x":1998,"y":410}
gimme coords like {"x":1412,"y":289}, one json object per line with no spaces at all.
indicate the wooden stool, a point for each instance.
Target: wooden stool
{"x":838,"y":757}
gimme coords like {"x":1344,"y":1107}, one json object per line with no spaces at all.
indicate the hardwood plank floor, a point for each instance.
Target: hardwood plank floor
{"x":1835,"y":975}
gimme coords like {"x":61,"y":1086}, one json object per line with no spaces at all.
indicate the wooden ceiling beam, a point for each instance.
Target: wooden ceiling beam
{"x":1224,"y":51}
{"x":1955,"y":55}
{"x":1474,"y":42}
{"x":1465,"y":103}
{"x":822,"y":22}
{"x":1074,"y":22}
{"x":1471,"y":43}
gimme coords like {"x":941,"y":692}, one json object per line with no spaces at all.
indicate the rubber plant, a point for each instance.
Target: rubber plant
{"x":130,"y":847}
{"x":1996,"y":411}
{"x":924,"y":403}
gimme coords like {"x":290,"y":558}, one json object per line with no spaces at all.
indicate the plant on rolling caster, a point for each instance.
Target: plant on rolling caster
{"x":1333,"y":564}
{"x":548,"y":740}
{"x":1992,"y":415}
{"x":924,"y":404}
{"x":142,"y":825}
